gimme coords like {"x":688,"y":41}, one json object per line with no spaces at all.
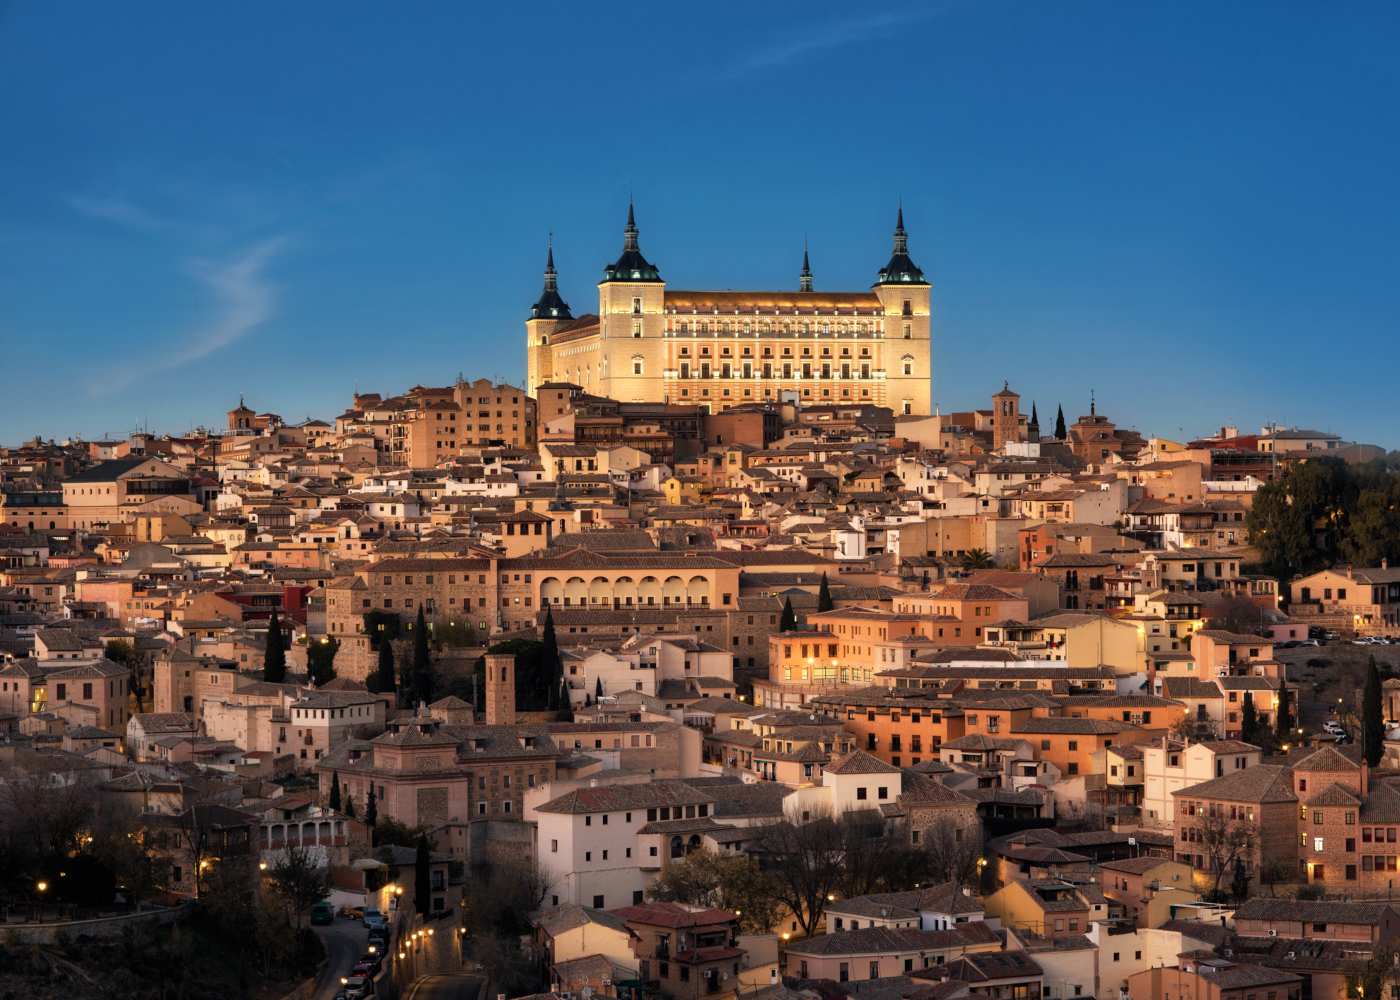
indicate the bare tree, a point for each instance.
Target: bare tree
{"x":1225,"y":841}
{"x":300,"y":881}
{"x":804,"y":860}
{"x":954,"y":852}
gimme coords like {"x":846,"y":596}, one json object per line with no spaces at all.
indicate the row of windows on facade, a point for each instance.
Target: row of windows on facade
{"x":907,"y":405}
{"x":769,"y":371}
{"x":747,"y":352}
{"x":825,"y":328}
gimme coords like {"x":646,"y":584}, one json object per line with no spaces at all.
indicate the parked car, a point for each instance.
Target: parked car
{"x":373,"y":918}
{"x":1333,"y":727}
{"x":359,"y":987}
{"x":322,"y":913}
{"x":353,"y":912}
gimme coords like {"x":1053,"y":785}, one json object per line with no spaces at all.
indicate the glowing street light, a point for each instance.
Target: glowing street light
{"x":41,"y":885}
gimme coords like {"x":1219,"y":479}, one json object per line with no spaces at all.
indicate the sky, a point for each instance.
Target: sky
{"x":1188,"y":208}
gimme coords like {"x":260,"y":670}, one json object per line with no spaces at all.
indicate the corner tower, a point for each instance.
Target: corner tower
{"x":546,"y":315}
{"x":631,"y":316}
{"x":905,"y":297}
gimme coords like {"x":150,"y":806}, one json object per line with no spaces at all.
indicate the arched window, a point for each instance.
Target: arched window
{"x":908,"y":364}
{"x":638,"y":364}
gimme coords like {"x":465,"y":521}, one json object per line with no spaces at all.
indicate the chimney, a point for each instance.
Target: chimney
{"x":500,"y":690}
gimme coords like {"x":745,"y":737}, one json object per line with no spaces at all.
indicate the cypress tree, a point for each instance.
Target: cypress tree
{"x":1060,"y":431}
{"x":320,"y":660}
{"x":1249,"y":720}
{"x":350,"y":806}
{"x":422,"y":661}
{"x":788,"y":622}
{"x":382,"y":681}
{"x":371,"y":808}
{"x":274,"y":656}
{"x":551,"y":664}
{"x":824,"y":601}
{"x":598,"y":688}
{"x":1372,"y":728}
{"x":335,"y":792}
{"x":421,"y":889}
{"x":1283,"y":723}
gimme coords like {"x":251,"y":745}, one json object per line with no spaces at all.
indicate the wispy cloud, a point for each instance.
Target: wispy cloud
{"x":118,"y":211}
{"x":831,"y":35}
{"x":243,"y":299}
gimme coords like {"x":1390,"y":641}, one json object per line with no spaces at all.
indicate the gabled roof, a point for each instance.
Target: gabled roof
{"x":1261,"y":783}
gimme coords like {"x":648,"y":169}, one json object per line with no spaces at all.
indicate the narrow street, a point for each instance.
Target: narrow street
{"x":344,"y":941}
{"x":445,"y":987}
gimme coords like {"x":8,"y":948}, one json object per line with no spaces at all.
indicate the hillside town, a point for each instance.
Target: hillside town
{"x":792,"y":696}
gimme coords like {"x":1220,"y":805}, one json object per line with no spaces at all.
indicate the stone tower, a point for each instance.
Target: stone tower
{"x":500,"y":690}
{"x":905,"y":295}
{"x":1006,"y":417}
{"x":548,"y":313}
{"x":631,"y":315}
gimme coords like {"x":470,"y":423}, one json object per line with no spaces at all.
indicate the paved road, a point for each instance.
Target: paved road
{"x":444,"y":987}
{"x":344,"y":941}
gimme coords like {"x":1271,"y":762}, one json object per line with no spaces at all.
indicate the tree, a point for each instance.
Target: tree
{"x":422,"y":886}
{"x":122,"y":652}
{"x":721,"y":881}
{"x":350,"y":806}
{"x":320,"y":660}
{"x":422,"y":661}
{"x":598,"y":687}
{"x":1283,"y":718}
{"x":1249,"y":720}
{"x":1224,"y":841}
{"x":804,"y":861}
{"x":383,"y":680}
{"x":299,"y":881}
{"x":788,"y":622}
{"x":274,"y":655}
{"x":953,"y":851}
{"x":551,"y":664}
{"x":1372,"y":726}
{"x":1373,"y":527}
{"x":1299,"y":521}
{"x":1060,"y":432}
{"x":1239,"y":883}
{"x":824,"y":601}
{"x":1275,"y":871}
{"x":371,"y":809}
{"x":978,"y":559}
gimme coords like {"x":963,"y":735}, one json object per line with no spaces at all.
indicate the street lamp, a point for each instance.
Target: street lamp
{"x":41,"y":885}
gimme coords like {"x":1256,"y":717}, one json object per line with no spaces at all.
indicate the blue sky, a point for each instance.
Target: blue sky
{"x":1188,"y":207}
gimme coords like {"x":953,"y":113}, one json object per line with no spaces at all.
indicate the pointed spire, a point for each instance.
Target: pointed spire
{"x":631,"y":266}
{"x":629,"y":232}
{"x":551,"y":277}
{"x":1093,"y":410}
{"x":551,"y":304}
{"x":805,"y":279}
{"x":901,"y":269}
